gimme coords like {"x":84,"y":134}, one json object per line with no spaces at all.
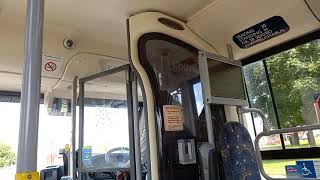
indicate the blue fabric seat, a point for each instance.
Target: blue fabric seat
{"x":239,"y":159}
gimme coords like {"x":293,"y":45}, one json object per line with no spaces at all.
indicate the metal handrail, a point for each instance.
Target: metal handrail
{"x":267,"y":132}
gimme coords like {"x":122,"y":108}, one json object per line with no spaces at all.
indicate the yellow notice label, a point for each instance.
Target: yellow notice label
{"x":173,"y":117}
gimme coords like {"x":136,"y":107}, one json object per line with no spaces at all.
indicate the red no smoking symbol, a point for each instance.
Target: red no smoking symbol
{"x":50,"y":66}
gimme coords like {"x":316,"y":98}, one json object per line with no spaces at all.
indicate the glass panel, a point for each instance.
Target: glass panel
{"x":260,"y":97}
{"x":106,"y":135}
{"x":259,"y":94}
{"x":9,"y":134}
{"x":54,"y":134}
{"x":294,"y":76}
{"x":198,"y":96}
{"x":172,"y":71}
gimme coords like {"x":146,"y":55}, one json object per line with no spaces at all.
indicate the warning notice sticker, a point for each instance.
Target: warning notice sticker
{"x":261,"y":32}
{"x":51,"y":65}
{"x":173,"y":117}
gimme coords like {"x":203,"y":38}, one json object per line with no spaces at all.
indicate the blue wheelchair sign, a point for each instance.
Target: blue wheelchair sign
{"x":307,"y":169}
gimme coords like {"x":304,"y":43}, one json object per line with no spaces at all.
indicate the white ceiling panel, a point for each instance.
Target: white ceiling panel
{"x":221,"y":20}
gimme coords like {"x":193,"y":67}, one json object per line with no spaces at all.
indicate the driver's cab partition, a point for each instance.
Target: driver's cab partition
{"x":110,"y":124}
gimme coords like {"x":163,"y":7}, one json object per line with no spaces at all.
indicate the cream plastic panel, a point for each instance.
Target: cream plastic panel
{"x":221,"y":20}
{"x":315,"y":7}
{"x":12,"y":82}
{"x":141,"y":24}
{"x":98,"y":20}
{"x":85,"y":64}
{"x":12,"y":54}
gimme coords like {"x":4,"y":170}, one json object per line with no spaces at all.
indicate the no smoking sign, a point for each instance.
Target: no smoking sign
{"x":50,"y":66}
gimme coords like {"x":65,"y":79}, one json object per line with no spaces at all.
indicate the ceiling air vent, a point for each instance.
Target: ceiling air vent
{"x":171,"y":24}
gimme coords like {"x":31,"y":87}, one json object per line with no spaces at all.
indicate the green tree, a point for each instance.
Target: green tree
{"x":258,"y":91}
{"x":294,"y":76}
{"x":7,"y":156}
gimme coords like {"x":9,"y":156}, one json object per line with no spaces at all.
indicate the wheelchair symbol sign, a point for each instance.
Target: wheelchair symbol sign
{"x":87,"y":156}
{"x":307,"y":169}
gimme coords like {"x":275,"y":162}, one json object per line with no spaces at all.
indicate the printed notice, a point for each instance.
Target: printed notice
{"x":173,"y":117}
{"x":261,"y":32}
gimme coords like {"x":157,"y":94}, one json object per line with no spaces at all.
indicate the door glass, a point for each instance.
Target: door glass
{"x":106,"y":135}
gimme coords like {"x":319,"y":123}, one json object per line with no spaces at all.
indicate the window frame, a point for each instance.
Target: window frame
{"x":299,"y":153}
{"x":17,"y":96}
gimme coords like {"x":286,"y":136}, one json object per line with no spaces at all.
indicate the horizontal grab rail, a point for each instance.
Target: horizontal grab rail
{"x":267,"y":132}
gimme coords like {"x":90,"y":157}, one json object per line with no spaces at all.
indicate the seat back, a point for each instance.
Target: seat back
{"x":239,"y":159}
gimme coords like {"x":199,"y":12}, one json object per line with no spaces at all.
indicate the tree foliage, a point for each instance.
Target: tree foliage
{"x":7,"y":156}
{"x":294,"y":76}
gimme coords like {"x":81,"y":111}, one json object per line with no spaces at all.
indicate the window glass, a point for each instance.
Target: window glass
{"x":54,"y":134}
{"x":198,"y":96}
{"x":295,"y":84}
{"x":259,"y":94}
{"x":294,"y":76}
{"x":260,"y":97}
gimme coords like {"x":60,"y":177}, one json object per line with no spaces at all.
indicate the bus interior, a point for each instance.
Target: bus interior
{"x":160,"y":90}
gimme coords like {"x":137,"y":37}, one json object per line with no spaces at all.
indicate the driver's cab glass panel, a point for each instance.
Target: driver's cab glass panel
{"x":176,"y":71}
{"x":172,"y":64}
{"x":106,"y":135}
{"x":173,"y":70}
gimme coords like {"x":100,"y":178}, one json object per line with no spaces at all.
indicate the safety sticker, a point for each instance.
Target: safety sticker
{"x":261,"y":32}
{"x":51,"y":65}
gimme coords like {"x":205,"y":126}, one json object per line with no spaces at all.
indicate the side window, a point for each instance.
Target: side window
{"x":286,"y":87}
{"x":54,"y":134}
{"x":260,"y":97}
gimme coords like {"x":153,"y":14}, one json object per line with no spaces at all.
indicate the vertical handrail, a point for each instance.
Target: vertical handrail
{"x":73,"y":169}
{"x":146,"y":124}
{"x":81,"y":127}
{"x":136,"y":127}
{"x":131,"y":125}
{"x":30,"y":93}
